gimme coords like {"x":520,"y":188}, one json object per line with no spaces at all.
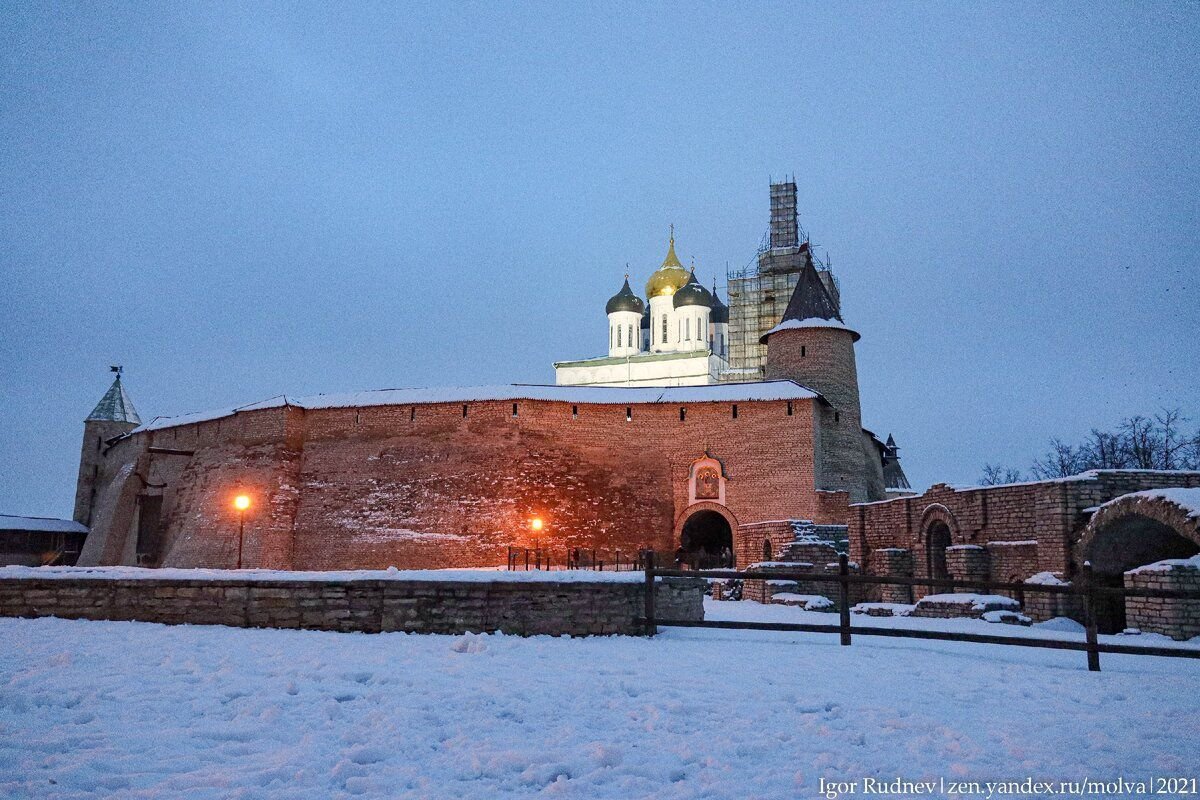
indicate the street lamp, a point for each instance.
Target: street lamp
{"x":241,"y":503}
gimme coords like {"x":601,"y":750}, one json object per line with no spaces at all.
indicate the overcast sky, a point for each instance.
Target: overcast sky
{"x":237,"y":201}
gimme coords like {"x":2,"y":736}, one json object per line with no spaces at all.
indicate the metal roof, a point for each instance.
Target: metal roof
{"x":115,"y":406}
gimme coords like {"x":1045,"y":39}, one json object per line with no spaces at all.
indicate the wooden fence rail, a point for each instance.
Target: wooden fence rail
{"x":1086,"y":588}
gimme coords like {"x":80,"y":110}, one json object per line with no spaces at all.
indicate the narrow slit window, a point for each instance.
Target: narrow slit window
{"x":574,"y":412}
{"x":514,"y":409}
{"x":837,"y":416}
{"x":412,"y":413}
{"x":735,"y":411}
{"x":789,"y":408}
{"x":464,"y":410}
{"x":803,"y":351}
{"x":628,"y":413}
{"x":682,"y":414}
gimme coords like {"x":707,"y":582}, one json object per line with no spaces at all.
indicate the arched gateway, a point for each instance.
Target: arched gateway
{"x":705,"y":534}
{"x":1131,"y":531}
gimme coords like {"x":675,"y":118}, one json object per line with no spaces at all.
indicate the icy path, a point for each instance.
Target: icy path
{"x":117,"y":709}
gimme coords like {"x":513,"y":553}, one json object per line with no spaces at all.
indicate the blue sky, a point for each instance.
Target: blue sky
{"x":237,"y":201}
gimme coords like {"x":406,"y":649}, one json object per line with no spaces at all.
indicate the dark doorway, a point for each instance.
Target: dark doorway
{"x":937,"y":539}
{"x":149,"y":529}
{"x":1128,"y":542}
{"x":707,"y":541}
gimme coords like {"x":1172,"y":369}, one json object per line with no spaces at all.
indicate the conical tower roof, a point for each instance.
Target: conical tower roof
{"x":115,"y":406}
{"x":811,"y":299}
{"x":811,"y":305}
{"x":893,"y":473}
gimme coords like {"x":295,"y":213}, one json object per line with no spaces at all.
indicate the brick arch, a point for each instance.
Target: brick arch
{"x":937,"y":513}
{"x":1131,"y":511}
{"x":705,"y":505}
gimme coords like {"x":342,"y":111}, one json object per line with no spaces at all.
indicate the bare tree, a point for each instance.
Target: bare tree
{"x":1139,"y":442}
{"x":1105,"y":450}
{"x":995,"y":474}
{"x":1061,"y":461}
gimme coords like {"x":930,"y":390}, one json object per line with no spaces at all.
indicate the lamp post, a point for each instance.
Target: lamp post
{"x":241,"y":503}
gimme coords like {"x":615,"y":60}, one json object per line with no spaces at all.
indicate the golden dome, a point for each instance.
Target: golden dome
{"x":670,"y":276}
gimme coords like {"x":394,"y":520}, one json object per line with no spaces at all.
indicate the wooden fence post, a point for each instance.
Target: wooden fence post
{"x":651,"y":628}
{"x":1089,"y":615}
{"x":844,"y":594}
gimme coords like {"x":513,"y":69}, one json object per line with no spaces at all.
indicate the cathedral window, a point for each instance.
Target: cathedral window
{"x":619,"y":333}
{"x":630,"y":329}
{"x":610,"y":336}
{"x":664,"y":329}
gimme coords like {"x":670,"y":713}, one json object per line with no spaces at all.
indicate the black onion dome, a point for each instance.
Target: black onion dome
{"x":693,"y":294}
{"x":625,"y":300}
{"x":720,"y":311}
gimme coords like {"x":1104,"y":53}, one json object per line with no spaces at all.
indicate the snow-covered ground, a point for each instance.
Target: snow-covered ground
{"x":121,"y":709}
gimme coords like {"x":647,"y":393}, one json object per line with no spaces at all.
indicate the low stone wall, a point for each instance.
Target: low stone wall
{"x":1177,"y":618}
{"x":1041,"y":606}
{"x":369,"y":605}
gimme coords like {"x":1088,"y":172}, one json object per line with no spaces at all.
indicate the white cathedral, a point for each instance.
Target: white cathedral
{"x":680,"y":339}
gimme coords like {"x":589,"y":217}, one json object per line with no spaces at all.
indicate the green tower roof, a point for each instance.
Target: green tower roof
{"x":115,"y":406}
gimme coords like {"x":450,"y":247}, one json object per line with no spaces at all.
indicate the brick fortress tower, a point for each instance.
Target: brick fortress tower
{"x":813,"y":347}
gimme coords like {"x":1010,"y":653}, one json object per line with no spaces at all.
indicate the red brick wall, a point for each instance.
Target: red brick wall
{"x":422,"y":486}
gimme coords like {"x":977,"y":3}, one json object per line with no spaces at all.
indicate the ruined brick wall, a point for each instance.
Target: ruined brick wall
{"x":1025,"y":528}
{"x":425,"y":486}
{"x":575,"y":608}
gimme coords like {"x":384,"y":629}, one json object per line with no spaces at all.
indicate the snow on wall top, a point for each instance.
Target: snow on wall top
{"x":811,"y":322}
{"x":10,"y":522}
{"x":601,"y":395}
{"x":1187,"y":499}
{"x":1167,"y":565}
{"x":1088,"y":475}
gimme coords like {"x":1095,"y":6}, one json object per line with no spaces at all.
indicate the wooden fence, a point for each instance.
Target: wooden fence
{"x":1086,"y":588}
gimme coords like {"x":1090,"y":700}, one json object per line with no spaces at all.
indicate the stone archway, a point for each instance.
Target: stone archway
{"x":938,"y":531}
{"x":1131,"y":531}
{"x":705,"y":536}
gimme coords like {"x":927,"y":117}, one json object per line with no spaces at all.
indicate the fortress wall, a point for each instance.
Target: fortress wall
{"x":424,"y":486}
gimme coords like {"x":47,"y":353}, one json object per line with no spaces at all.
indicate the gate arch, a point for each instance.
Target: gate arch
{"x":700,"y":515}
{"x":1131,"y":531}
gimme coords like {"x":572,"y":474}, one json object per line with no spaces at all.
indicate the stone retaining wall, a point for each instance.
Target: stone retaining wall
{"x":574,"y":608}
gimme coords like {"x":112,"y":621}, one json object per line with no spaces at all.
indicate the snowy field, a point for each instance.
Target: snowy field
{"x":121,"y":709}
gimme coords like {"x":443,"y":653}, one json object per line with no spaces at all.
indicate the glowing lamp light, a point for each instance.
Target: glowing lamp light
{"x":536,"y":523}
{"x":241,"y":502}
